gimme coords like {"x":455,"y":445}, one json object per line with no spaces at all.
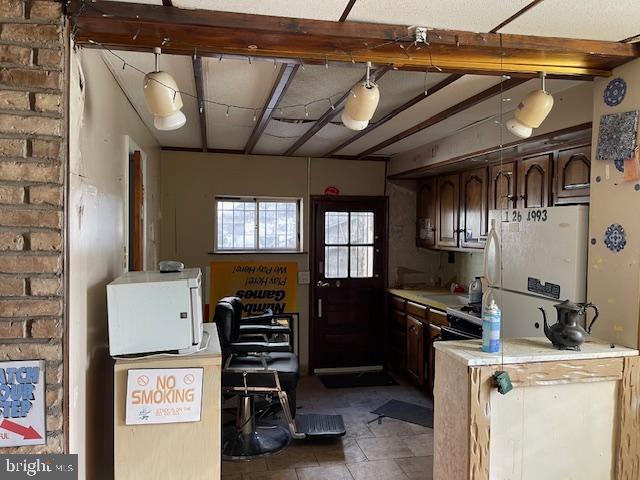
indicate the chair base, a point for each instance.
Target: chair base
{"x":264,"y":440}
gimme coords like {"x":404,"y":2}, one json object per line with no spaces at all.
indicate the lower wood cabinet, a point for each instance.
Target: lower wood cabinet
{"x":433,"y":335}
{"x":415,"y":350}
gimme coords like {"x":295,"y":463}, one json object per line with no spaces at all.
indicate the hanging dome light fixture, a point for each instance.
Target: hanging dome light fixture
{"x":362,"y":104}
{"x":532,"y":111}
{"x":163,"y":98}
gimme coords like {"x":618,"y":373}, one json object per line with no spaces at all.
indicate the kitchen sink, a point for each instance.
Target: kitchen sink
{"x":450,"y":299}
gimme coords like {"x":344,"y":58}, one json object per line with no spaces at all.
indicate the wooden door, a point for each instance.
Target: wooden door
{"x":502,"y":186}
{"x":426,"y":213}
{"x":534,"y":178}
{"x":573,"y":175}
{"x":432,"y":336}
{"x":473,"y":208}
{"x":136,"y":209}
{"x":447,"y":211}
{"x":415,"y":350}
{"x":348,"y":281}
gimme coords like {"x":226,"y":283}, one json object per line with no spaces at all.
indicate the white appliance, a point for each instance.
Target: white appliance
{"x":537,"y":258}
{"x":155,"y":312}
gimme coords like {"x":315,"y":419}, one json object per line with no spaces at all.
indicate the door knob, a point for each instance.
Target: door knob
{"x":322,"y":284}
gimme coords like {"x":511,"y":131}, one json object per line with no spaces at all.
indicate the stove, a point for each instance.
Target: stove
{"x":471,"y":313}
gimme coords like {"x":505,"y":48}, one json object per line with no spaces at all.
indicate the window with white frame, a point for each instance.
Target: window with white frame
{"x":245,"y":224}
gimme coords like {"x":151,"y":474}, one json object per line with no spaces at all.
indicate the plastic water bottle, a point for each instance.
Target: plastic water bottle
{"x":491,"y":328}
{"x":475,"y":291}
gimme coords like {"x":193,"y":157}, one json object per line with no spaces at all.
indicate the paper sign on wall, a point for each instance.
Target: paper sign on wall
{"x":260,"y":285}
{"x":164,"y":395}
{"x":22,"y":418}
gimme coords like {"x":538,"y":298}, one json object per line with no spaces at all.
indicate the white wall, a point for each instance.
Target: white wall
{"x":571,"y":107}
{"x":101,"y":121}
{"x":190,"y":181}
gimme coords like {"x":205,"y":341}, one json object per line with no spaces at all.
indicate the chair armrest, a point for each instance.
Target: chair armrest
{"x":251,"y":329}
{"x":261,"y":347}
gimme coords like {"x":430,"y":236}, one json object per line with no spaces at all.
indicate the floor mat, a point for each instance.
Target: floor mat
{"x":360,"y":379}
{"x":407,"y":412}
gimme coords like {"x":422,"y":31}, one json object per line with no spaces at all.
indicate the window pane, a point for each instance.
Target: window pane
{"x":336,"y":228}
{"x":361,"y":228}
{"x":278,"y":225}
{"x":361,"y":262}
{"x":236,"y":225}
{"x":335,"y":262}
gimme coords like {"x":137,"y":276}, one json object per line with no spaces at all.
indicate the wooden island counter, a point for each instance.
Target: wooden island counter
{"x":570,"y":415}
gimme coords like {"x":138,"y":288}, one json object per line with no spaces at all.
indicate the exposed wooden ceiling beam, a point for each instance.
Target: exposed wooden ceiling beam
{"x":448,"y":112}
{"x":330,"y":114}
{"x":395,"y":112}
{"x":280,"y":86}
{"x":347,"y":10}
{"x":524,"y":9}
{"x":114,"y":24}
{"x":227,"y":151}
{"x":199,"y":79}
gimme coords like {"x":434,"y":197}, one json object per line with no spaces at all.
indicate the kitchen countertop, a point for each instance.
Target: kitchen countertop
{"x":528,"y":350}
{"x":423,"y":296}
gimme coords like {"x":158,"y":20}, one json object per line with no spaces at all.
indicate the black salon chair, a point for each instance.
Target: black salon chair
{"x":258,"y":362}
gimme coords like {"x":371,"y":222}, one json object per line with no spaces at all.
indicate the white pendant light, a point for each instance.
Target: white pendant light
{"x":361,"y":104}
{"x":531,"y":111}
{"x":163,"y":98}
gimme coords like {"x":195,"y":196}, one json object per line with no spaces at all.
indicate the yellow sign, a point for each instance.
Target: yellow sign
{"x":260,"y":285}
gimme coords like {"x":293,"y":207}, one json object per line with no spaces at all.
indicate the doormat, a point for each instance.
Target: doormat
{"x":407,"y":412}
{"x":360,"y":379}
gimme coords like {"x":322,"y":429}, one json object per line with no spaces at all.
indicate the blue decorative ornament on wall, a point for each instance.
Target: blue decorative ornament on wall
{"x":615,"y":92}
{"x":615,"y":237}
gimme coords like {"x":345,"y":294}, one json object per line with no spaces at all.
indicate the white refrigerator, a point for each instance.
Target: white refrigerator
{"x":537,"y":258}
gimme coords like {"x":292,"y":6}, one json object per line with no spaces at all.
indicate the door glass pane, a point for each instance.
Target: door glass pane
{"x":336,"y":228}
{"x":361,"y":228}
{"x":336,"y":262}
{"x":361,"y":262}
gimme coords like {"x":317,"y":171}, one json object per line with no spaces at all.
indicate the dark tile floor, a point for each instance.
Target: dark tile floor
{"x":390,"y":450}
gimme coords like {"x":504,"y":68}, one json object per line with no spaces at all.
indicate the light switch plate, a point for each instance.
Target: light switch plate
{"x":304,"y":278}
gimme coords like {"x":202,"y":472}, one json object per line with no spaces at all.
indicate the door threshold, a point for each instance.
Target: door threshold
{"x":329,"y":371}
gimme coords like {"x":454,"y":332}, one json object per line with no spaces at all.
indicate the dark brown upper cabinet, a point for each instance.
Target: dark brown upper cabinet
{"x":426,"y":209}
{"x":447,"y":232}
{"x":573,"y":175}
{"x":534,"y":178}
{"x":502,"y":186}
{"x":473,"y":208}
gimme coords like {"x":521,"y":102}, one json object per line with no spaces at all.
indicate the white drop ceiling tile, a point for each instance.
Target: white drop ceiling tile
{"x":322,"y":142}
{"x":317,"y":84}
{"x":279,"y":136}
{"x":238,"y":83}
{"x":131,"y":80}
{"x":323,"y":10}
{"x":472,"y":15}
{"x":398,"y":87}
{"x":487,"y":111}
{"x":462,"y":88}
{"x":586,"y":19}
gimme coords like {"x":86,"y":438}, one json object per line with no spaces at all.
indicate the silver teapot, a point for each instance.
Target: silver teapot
{"x":568,"y":333}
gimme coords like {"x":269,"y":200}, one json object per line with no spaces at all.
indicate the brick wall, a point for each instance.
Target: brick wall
{"x":32,"y":160}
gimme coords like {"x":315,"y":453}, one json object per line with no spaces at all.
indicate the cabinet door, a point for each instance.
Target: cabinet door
{"x":426,"y":213}
{"x":415,"y":353}
{"x":473,"y":208}
{"x":573,"y":175}
{"x":433,"y":336}
{"x":447,"y":212}
{"x":534,"y":177}
{"x":502,"y":186}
